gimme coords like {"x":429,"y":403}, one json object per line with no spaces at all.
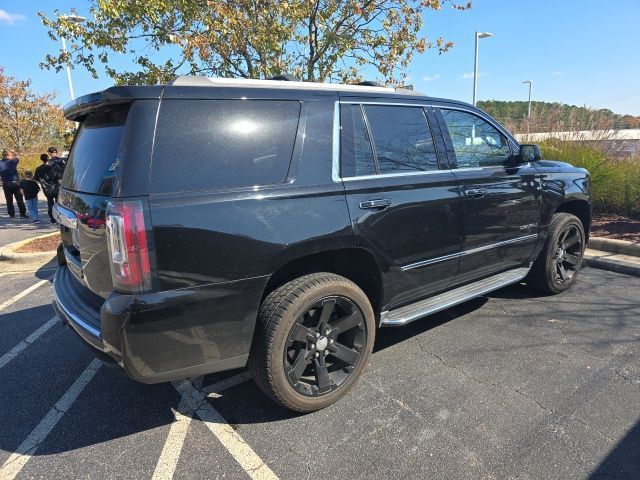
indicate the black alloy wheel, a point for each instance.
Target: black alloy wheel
{"x":558,"y":263}
{"x":568,"y":253}
{"x":313,"y":337}
{"x":324,"y":346}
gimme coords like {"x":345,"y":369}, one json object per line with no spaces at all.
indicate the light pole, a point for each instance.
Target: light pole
{"x":479,"y":35}
{"x":77,"y":19}
{"x":529,"y":109}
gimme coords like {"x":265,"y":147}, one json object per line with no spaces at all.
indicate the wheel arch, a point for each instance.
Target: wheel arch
{"x":579,"y":208}
{"x":356,"y":264}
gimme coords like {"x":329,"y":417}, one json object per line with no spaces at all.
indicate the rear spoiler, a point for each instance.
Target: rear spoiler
{"x":77,"y":109}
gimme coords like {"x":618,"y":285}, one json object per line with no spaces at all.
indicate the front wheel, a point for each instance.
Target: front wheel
{"x":313,"y":338}
{"x":559,"y":262}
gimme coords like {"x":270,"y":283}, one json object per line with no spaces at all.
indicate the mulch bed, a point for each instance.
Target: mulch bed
{"x":46,"y":244}
{"x":616,"y":226}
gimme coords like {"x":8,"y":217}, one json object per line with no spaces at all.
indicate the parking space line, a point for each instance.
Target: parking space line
{"x":170,"y":454}
{"x":15,"y":351}
{"x":25,"y":451}
{"x":250,"y":462}
{"x":213,"y":391}
{"x":24,"y":293}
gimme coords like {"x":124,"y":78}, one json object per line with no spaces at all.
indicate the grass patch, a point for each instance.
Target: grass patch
{"x":615,"y":183}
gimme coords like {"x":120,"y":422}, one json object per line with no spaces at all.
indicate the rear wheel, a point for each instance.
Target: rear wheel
{"x":313,"y":339}
{"x":559,"y":262}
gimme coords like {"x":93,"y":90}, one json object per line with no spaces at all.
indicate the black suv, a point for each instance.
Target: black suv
{"x":213,"y":223}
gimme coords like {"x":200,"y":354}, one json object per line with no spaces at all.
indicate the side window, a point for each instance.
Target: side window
{"x":356,"y":153}
{"x":476,"y":142}
{"x":401,"y":138}
{"x":208,"y":144}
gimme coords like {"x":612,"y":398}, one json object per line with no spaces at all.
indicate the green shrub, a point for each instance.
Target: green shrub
{"x":615,"y":183}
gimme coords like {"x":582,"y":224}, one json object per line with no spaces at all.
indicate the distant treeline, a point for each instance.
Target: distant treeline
{"x":565,"y":117}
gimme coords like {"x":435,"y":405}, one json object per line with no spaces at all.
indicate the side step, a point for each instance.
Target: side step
{"x":414,"y":311}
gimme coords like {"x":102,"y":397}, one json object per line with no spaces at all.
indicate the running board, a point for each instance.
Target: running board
{"x":414,"y":311}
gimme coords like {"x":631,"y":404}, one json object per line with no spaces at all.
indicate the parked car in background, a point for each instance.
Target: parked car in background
{"x":213,"y":223}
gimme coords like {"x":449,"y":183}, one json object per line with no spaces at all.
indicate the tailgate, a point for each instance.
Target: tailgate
{"x":87,"y":186}
{"x":84,"y":239}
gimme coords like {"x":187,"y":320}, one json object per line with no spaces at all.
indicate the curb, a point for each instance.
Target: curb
{"x":614,"y":246}
{"x":11,"y":260}
{"x":629,"y":265}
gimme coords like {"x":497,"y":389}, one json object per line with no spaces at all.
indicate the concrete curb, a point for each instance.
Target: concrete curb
{"x":613,"y":262}
{"x":615,"y":246}
{"x":12,"y":261}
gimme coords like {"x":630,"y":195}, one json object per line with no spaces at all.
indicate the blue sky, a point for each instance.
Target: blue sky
{"x":581,"y":52}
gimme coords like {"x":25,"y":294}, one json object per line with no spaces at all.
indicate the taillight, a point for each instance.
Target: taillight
{"x":129,"y":244}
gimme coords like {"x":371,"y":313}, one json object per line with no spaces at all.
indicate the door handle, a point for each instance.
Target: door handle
{"x":380,"y":203}
{"x":476,"y":192}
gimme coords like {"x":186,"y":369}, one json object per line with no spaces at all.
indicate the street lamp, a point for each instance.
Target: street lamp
{"x":479,"y":35}
{"x":73,"y":17}
{"x":529,"y":109}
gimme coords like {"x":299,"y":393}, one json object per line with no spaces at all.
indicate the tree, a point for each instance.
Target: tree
{"x":314,"y":40}
{"x":28,"y":120}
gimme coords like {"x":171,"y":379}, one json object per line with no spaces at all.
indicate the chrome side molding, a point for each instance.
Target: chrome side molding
{"x":464,"y":253}
{"x":414,"y":311}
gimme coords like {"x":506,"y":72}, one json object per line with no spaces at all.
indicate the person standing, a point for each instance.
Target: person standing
{"x":57,"y":163}
{"x":11,"y":183}
{"x":47,"y":178}
{"x":30,"y":191}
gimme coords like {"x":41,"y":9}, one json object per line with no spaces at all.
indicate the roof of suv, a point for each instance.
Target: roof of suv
{"x":188,"y":86}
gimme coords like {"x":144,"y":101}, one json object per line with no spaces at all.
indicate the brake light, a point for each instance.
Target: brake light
{"x":129,"y":246}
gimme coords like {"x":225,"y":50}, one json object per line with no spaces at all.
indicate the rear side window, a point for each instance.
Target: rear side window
{"x":93,"y":161}
{"x":356,"y":152}
{"x":209,"y":144}
{"x":402,"y":139}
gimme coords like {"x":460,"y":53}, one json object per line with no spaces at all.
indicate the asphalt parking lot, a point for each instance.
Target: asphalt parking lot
{"x":507,"y":386}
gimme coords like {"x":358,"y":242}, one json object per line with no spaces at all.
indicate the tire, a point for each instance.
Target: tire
{"x":559,"y":262}
{"x":313,"y":339}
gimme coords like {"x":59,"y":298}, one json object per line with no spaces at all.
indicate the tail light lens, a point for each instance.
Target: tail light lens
{"x":130,"y":247}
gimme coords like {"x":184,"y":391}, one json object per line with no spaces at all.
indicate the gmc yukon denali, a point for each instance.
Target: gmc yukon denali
{"x":211,"y":224}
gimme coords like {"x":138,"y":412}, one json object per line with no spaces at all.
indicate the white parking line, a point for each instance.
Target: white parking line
{"x":250,"y":462}
{"x":13,"y":353}
{"x":170,"y":454}
{"x":24,"y":293}
{"x":213,"y":391}
{"x":25,"y":451}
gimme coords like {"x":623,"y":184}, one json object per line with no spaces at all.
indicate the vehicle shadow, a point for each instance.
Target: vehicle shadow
{"x":623,"y":461}
{"x":112,"y":406}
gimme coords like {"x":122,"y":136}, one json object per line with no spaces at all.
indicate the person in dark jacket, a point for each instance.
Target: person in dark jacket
{"x":49,"y":183}
{"x":11,"y":183}
{"x":57,"y":163}
{"x":30,"y":191}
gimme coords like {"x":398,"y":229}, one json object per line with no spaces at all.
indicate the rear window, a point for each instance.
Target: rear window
{"x":210,"y":144}
{"x":93,"y":161}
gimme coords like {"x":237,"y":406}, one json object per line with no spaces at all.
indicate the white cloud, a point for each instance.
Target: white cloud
{"x":7,"y":18}
{"x":430,"y":78}
{"x":468,"y":75}
{"x":557,"y":74}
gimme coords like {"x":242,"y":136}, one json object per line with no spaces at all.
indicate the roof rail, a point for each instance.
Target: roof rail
{"x":285,"y":78}
{"x":369,"y":83}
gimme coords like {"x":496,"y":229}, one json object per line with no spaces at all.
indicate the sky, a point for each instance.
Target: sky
{"x":580,"y":52}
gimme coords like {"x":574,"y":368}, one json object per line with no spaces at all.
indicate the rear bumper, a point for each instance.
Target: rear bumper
{"x":166,"y":335}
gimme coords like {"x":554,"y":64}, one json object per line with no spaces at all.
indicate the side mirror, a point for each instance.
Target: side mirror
{"x":530,"y":153}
